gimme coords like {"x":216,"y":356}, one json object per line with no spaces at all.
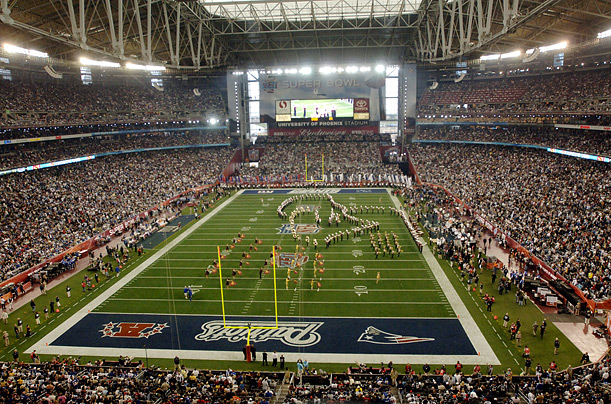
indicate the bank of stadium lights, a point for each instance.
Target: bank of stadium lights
{"x":99,"y":63}
{"x":213,"y":121}
{"x":495,"y":56}
{"x":23,"y":51}
{"x":149,"y":68}
{"x":604,"y":34}
{"x":556,"y":46}
{"x":515,"y":54}
{"x":510,"y":55}
{"x":380,"y":68}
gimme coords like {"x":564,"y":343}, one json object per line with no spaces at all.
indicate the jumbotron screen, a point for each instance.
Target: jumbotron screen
{"x":322,"y":108}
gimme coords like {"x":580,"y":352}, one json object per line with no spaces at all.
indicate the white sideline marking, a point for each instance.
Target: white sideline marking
{"x":41,"y":346}
{"x":478,"y":340}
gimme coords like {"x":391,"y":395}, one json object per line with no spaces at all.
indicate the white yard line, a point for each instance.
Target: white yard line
{"x":486,"y":354}
{"x":42,"y":347}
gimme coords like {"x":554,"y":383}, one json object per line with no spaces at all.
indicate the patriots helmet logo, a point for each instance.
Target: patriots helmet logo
{"x":375,"y":336}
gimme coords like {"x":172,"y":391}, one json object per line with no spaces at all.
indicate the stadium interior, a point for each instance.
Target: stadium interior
{"x":305,"y":201}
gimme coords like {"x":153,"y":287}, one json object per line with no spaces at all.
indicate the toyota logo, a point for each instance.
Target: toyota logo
{"x":361,"y":103}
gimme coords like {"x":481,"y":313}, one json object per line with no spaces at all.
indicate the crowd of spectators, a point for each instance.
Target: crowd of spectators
{"x":342,"y":388}
{"x":584,"y":92}
{"x":26,"y":132}
{"x":554,"y":206}
{"x":585,"y":384}
{"x":67,"y":381}
{"x":592,"y":142}
{"x":26,"y":103}
{"x":24,"y":154}
{"x":53,"y":209}
{"x":456,"y":388}
{"x":346,"y":156}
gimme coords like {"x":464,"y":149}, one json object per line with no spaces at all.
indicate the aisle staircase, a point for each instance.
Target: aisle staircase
{"x":283,"y":388}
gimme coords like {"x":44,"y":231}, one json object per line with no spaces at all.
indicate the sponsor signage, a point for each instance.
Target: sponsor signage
{"x":329,"y":128}
{"x":361,"y":108}
{"x":283,"y":111}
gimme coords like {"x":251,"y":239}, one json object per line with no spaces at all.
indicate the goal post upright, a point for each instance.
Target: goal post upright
{"x":221,"y":282}
{"x":249,"y":327}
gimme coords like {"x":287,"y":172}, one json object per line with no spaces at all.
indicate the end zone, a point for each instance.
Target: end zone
{"x":323,"y":339}
{"x":332,"y":339}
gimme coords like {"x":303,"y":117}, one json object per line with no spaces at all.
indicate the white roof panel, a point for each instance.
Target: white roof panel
{"x":296,"y":10}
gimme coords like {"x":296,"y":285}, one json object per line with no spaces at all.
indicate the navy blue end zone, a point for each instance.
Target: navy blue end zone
{"x":310,"y":335}
{"x":168,"y":230}
{"x":315,"y":191}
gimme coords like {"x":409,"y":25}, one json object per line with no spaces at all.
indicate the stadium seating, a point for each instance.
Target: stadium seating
{"x":345,"y":155}
{"x":592,"y":142}
{"x":554,"y":206}
{"x":43,"y":103}
{"x":54,"y":209}
{"x":67,"y":380}
{"x":22,"y":155}
{"x":516,"y":98}
{"x":61,"y":381}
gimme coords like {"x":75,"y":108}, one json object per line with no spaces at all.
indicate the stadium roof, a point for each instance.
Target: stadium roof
{"x":198,"y":34}
{"x":308,"y":10}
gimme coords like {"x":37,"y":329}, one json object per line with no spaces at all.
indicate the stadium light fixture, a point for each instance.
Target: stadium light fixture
{"x":150,"y":68}
{"x":99,"y":63}
{"x":213,"y":121}
{"x":495,"y":56}
{"x":23,"y":51}
{"x":604,"y":34}
{"x":365,"y":69}
{"x":351,"y":69}
{"x":513,"y":54}
{"x":290,"y":71}
{"x":380,"y":68}
{"x":327,"y":70}
{"x":556,"y":46}
{"x":305,"y":70}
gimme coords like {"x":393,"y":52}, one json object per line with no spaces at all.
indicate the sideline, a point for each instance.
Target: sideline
{"x":481,"y":345}
{"x":43,"y":345}
{"x":486,"y":355}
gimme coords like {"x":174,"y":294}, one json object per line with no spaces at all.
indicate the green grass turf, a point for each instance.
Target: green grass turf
{"x":406,"y":280}
{"x":344,"y":109}
{"x":68,"y":307}
{"x":542,"y":350}
{"x":406,"y":285}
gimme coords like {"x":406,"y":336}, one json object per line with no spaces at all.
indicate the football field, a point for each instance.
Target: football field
{"x":337,"y":304}
{"x":316,"y":108}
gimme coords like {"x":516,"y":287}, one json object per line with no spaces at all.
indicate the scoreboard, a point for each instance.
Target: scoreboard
{"x":322,"y":109}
